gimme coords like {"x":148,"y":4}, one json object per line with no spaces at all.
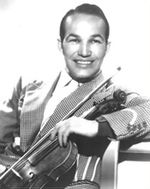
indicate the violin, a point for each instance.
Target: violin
{"x":46,"y":161}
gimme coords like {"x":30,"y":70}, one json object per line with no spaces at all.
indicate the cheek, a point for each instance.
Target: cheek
{"x":99,"y":51}
{"x":69,"y":50}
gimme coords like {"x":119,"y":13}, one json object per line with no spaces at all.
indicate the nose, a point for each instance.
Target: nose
{"x":84,"y":50}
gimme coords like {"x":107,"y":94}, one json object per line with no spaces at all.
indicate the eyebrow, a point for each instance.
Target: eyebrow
{"x":98,"y":35}
{"x":72,"y":35}
{"x":94,"y":35}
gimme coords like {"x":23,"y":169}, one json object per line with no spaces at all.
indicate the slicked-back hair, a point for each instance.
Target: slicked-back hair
{"x":88,"y":9}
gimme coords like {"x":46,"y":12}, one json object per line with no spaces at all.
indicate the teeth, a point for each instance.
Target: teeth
{"x":84,"y":62}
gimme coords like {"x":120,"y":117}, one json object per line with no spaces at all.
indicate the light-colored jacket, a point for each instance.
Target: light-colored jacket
{"x":26,"y":108}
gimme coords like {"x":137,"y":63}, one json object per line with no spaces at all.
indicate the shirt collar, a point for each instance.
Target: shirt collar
{"x":65,"y":79}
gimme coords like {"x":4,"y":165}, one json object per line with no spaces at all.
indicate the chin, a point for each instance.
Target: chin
{"x":81,"y":78}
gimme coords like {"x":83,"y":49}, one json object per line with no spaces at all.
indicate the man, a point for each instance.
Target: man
{"x":84,"y":33}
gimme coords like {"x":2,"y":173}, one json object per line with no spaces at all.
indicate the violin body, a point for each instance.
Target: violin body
{"x":38,"y":170}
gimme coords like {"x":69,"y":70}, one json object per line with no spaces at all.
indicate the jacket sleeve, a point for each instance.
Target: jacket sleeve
{"x":134,"y":120}
{"x":9,"y":115}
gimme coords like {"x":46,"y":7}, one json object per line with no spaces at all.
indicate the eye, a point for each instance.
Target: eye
{"x":74,"y":40}
{"x":96,"y":41}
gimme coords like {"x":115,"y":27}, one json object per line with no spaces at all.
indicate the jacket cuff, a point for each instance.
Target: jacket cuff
{"x":104,"y":129}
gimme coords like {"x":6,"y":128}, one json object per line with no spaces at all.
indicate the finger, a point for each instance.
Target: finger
{"x":65,"y":138}
{"x":55,"y":130}
{"x":60,"y":136}
{"x":53,"y":134}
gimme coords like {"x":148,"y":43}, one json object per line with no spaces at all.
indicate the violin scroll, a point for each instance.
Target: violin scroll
{"x":109,"y":105}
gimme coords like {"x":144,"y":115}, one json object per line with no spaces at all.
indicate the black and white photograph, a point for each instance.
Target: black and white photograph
{"x":75,"y":94}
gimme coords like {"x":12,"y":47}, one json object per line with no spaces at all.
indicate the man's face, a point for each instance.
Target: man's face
{"x":84,"y":46}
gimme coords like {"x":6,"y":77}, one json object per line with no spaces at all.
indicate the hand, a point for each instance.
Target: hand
{"x":75,"y":125}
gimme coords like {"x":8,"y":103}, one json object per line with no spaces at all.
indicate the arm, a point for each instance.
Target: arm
{"x":119,"y":124}
{"x":134,"y":120}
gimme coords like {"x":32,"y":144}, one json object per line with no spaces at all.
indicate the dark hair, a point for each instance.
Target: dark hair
{"x":85,"y":9}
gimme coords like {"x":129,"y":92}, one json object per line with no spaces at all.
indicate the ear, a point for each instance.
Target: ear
{"x":59,"y":43}
{"x":108,"y":46}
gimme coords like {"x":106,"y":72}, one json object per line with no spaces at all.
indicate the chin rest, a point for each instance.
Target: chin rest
{"x":112,"y":156}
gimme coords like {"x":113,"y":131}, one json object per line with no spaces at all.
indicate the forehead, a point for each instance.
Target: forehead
{"x":84,"y":24}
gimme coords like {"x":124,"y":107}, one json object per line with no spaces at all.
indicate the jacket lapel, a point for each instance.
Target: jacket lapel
{"x":36,"y":97}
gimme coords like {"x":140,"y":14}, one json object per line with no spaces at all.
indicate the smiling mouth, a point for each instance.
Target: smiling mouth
{"x":83,"y":62}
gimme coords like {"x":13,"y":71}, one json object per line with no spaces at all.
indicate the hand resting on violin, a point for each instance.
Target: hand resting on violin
{"x":75,"y":125}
